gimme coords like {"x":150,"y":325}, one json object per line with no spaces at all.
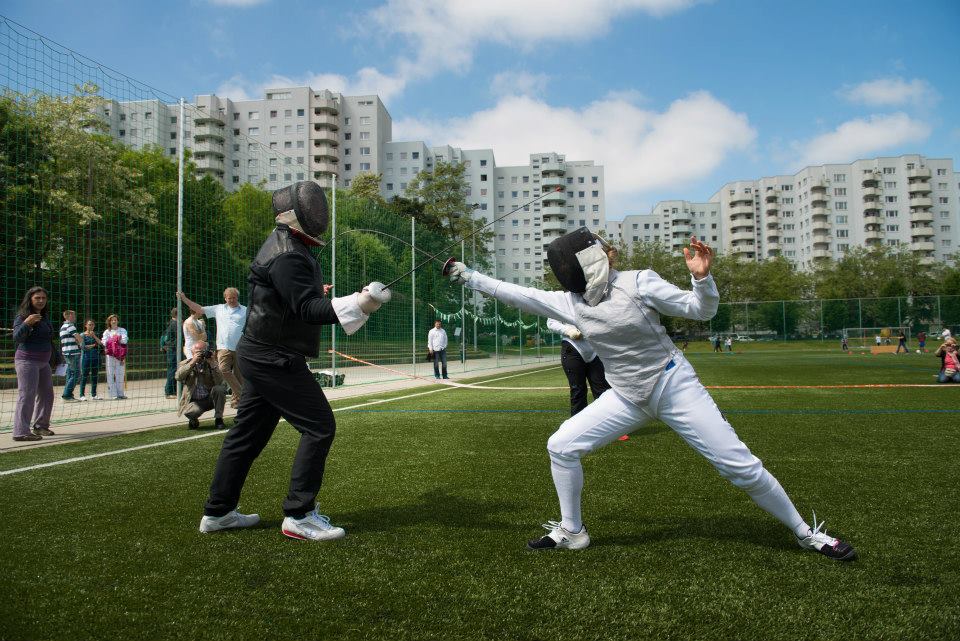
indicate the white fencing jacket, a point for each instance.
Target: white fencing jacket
{"x":624,"y":328}
{"x":581,"y":345}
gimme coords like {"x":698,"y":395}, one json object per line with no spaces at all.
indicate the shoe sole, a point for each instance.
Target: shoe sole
{"x":299,"y":537}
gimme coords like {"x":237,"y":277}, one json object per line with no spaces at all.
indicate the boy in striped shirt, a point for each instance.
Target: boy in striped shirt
{"x":70,"y":343}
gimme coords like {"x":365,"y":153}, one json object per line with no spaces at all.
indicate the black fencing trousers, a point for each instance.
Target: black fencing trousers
{"x":276,"y":384}
{"x":579,"y":373}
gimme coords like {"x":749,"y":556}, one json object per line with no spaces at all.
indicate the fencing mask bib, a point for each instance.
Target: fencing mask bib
{"x":579,"y":262}
{"x":302,"y":206}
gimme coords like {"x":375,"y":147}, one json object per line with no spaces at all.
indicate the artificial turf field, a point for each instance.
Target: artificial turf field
{"x":439,"y":493}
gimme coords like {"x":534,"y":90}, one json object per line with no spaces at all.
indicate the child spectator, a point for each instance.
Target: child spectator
{"x":90,"y":360}
{"x":115,"y":343}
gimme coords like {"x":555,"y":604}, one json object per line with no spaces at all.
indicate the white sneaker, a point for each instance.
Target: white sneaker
{"x":558,"y":538}
{"x":97,"y":398}
{"x":229,"y":520}
{"x":312,"y":527}
{"x":826,"y":545}
{"x":82,"y":399}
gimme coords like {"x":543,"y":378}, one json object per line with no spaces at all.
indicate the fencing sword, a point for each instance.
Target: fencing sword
{"x":450,"y":261}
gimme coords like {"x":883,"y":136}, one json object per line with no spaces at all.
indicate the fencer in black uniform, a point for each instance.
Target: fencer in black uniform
{"x":285,"y":314}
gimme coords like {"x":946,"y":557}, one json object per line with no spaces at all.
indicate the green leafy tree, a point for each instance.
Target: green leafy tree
{"x":366,"y":186}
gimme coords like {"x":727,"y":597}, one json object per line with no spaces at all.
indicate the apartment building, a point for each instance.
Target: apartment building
{"x":297,"y":133}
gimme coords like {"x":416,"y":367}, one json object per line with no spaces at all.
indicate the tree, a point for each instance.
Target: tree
{"x":443,"y":194}
{"x":366,"y":186}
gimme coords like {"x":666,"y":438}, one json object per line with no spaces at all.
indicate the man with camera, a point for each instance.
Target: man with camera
{"x":203,"y":388}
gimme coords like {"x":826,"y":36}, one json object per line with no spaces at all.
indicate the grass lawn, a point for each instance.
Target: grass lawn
{"x":439,"y":493}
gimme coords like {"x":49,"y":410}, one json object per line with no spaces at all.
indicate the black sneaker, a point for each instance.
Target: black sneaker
{"x":194,"y":424}
{"x":219,"y":424}
{"x":43,"y":431}
{"x":826,"y":545}
{"x":28,"y":437}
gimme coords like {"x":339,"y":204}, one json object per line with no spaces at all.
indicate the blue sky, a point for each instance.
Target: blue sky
{"x":673,"y":97}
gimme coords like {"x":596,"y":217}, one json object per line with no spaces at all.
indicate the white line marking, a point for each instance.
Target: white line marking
{"x":77,"y":459}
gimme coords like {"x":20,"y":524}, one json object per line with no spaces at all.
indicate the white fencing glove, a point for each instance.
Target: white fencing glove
{"x":372,"y":297}
{"x":572,"y":333}
{"x":460,"y":273}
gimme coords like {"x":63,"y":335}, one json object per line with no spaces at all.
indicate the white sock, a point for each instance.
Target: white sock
{"x":569,"y":483}
{"x":771,"y":497}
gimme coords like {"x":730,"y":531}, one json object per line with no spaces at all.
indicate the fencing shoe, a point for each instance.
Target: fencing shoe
{"x":312,"y":527}
{"x":826,"y":545}
{"x":229,"y":520}
{"x":557,"y":538}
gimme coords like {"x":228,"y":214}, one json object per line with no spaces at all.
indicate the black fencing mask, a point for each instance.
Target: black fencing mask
{"x":303,"y":207}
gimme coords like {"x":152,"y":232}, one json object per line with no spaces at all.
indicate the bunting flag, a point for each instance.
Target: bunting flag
{"x":483,"y":320}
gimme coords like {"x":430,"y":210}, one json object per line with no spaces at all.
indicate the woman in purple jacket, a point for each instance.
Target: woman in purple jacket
{"x":33,"y":337}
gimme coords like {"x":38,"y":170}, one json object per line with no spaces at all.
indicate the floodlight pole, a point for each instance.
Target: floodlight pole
{"x":333,"y":277}
{"x":179,"y":345}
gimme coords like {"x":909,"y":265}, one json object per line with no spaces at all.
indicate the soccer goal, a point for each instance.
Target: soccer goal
{"x":871,"y":337}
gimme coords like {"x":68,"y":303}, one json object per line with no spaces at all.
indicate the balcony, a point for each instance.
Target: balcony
{"x":871,"y":192}
{"x":922,"y":246}
{"x":554,"y":225}
{"x":743,"y":251}
{"x":871,"y":206}
{"x":920,"y":172}
{"x":773,"y":237}
{"x":872,"y":234}
{"x":322,"y":153}
{"x":773,"y":224}
{"x":921,"y":232}
{"x":921,"y":216}
{"x":919,"y":187}
{"x":773,"y":249}
{"x":818,"y":212}
{"x":552,"y":168}
{"x":772,"y":209}
{"x":321,"y":169}
{"x":210,"y":163}
{"x":552,"y":211}
{"x":819,"y":186}
{"x":871,"y":180}
{"x":325,"y":105}
{"x":325,"y":120}
{"x":551,"y":183}
{"x":772,"y":196}
{"x":207,"y":148}
{"x":743,"y":235}
{"x":818,"y":200}
{"x":680,"y":228}
{"x":206,"y":119}
{"x":741,"y":210}
{"x":821,"y":254}
{"x":820,"y":226}
{"x":325,"y":137}
{"x":928,"y":259}
{"x":920,"y":201}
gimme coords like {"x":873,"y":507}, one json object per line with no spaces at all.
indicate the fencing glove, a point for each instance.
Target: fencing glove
{"x":460,"y":273}
{"x":572,"y":333}
{"x":372,"y":297}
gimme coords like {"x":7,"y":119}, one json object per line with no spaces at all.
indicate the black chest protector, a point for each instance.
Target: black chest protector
{"x":270,"y":320}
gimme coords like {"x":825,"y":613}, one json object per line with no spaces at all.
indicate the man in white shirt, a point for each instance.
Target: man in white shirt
{"x":437,"y":348}
{"x":230,"y":317}
{"x":580,"y":364}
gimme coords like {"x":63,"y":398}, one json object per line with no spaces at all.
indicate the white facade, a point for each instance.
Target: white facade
{"x":822,"y":211}
{"x":296,"y":133}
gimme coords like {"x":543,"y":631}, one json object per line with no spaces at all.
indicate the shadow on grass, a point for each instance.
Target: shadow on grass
{"x":435,"y":507}
{"x":755,"y":531}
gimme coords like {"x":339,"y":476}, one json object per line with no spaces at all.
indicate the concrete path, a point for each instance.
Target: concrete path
{"x":146,"y":408}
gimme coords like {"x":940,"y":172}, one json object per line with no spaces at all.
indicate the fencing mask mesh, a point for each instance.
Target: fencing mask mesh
{"x":308,"y":205}
{"x":579,"y":262}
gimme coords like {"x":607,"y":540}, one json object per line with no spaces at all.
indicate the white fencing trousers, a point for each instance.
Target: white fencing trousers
{"x":683,"y":403}
{"x":115,"y":369}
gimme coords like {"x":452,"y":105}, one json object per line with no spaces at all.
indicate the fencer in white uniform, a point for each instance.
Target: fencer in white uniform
{"x":619,"y":314}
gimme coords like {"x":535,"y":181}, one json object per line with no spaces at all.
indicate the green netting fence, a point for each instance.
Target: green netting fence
{"x":96,"y":211}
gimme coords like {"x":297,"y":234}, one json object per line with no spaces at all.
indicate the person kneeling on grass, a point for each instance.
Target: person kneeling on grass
{"x":949,"y":362}
{"x":619,"y":314}
{"x":203,"y":388}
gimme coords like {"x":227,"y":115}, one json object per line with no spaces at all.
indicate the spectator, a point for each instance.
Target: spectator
{"x":231,"y":317}
{"x":949,"y":362}
{"x":729,"y":343}
{"x":843,"y":343}
{"x":879,"y":341}
{"x":946,"y":334}
{"x":70,"y":342}
{"x":33,"y":359}
{"x":437,"y":348}
{"x":203,"y":388}
{"x":168,"y":344}
{"x":90,"y":360}
{"x":922,"y":341}
{"x":902,"y":342}
{"x":716,"y":344}
{"x":194,"y":329}
{"x":115,"y":344}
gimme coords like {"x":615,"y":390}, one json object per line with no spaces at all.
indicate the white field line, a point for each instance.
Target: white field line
{"x":77,"y":459}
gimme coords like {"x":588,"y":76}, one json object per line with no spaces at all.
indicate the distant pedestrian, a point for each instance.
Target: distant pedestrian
{"x":729,"y":343}
{"x":32,"y":360}
{"x":168,"y":345}
{"x":716,"y":344}
{"x":902,"y":342}
{"x":843,"y":344}
{"x":922,"y":341}
{"x":70,"y":342}
{"x":437,"y":348}
{"x":231,"y":317}
{"x":90,"y":360}
{"x":115,"y":342}
{"x":879,"y":340}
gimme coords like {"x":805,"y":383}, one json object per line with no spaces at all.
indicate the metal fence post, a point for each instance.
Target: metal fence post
{"x":413,"y":294}
{"x":520,"y":320}
{"x":333,"y":277}
{"x":179,"y":345}
{"x":783,"y":312}
{"x":463,"y":318}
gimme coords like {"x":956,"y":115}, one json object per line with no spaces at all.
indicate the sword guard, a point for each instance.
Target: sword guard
{"x":447,"y":265}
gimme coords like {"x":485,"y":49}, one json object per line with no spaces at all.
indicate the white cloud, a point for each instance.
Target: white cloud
{"x":860,"y":138}
{"x":640,"y":149}
{"x":236,"y":3}
{"x":366,"y":81}
{"x":891,"y":92}
{"x":519,"y":83}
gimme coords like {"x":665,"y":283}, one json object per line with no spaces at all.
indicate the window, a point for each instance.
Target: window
{"x":415,"y":155}
{"x":347,"y":167}
{"x":346,"y":121}
{"x":595,"y":194}
{"x":173,"y":151}
{"x":288,"y":129}
{"x":300,"y":128}
{"x":365,"y":120}
{"x":280,"y":95}
{"x":123,"y":117}
{"x":839,"y":178}
{"x":253,"y":115}
{"x":943,"y":200}
{"x":173,"y":135}
{"x":403,"y":155}
{"x":288,"y":177}
{"x":941,"y":172}
{"x":840,"y":205}
{"x":594,"y":179}
{"x":890,"y":184}
{"x":273,"y":162}
{"x":526,"y":179}
{"x":299,"y":144}
{"x":843,"y":233}
{"x":889,"y":170}
{"x":288,"y":144}
{"x":274,"y":130}
{"x":364,"y":151}
{"x":839,"y":191}
{"x":300,"y":112}
{"x":364,"y":135}
{"x":890,"y":199}
{"x":364,"y":166}
{"x":273,"y":113}
{"x":483,"y":163}
{"x":891,"y":213}
{"x":236,"y":132}
{"x":893,"y":227}
{"x":841,"y":218}
{"x":346,"y":151}
{"x":299,"y":160}
{"x":580,"y":194}
{"x":253,"y":131}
